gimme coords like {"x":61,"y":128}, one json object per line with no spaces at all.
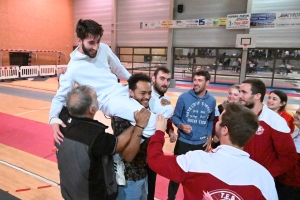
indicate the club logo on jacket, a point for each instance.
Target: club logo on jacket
{"x":221,"y":194}
{"x":260,"y":130}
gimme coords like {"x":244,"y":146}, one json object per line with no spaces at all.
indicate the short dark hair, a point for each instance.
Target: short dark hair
{"x":79,"y":100}
{"x":257,"y":86}
{"x":204,"y":73}
{"x":242,"y":123}
{"x":161,"y":68}
{"x":282,"y":96}
{"x":88,"y":26}
{"x":132,"y":81}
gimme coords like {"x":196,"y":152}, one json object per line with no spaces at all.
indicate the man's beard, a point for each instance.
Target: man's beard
{"x":158,"y":90}
{"x":200,"y":91}
{"x":249,"y":105}
{"x":86,"y":52}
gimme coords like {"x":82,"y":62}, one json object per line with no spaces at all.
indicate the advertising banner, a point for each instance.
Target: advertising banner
{"x":222,"y":21}
{"x":150,"y":25}
{"x":167,"y":24}
{"x":238,"y":21}
{"x":263,"y":20}
{"x":212,"y":22}
{"x":179,"y":24}
{"x":192,"y":23}
{"x":285,"y":19}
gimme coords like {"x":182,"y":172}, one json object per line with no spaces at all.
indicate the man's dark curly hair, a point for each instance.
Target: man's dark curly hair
{"x":88,"y":26}
{"x":132,"y":81}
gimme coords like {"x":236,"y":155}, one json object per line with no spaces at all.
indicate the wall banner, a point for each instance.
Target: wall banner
{"x":211,"y":22}
{"x":263,"y":20}
{"x":233,"y":21}
{"x":150,"y":25}
{"x":238,"y":21}
{"x":285,"y":19}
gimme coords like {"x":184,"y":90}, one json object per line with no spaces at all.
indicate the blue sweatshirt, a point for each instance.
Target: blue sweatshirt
{"x":198,"y":112}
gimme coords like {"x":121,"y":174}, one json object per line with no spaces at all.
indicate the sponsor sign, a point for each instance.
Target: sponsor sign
{"x":238,"y":21}
{"x":192,"y":23}
{"x":285,"y":19}
{"x":263,"y":20}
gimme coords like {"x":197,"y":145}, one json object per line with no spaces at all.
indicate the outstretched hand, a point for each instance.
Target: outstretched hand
{"x":58,"y":136}
{"x":165,"y":102}
{"x":142,"y":117}
{"x":161,"y":123}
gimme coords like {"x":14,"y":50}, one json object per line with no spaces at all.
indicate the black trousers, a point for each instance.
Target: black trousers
{"x":181,"y":148}
{"x":287,"y":192}
{"x":151,"y":183}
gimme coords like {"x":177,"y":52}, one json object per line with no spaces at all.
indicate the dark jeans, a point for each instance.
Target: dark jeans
{"x":287,"y":192}
{"x":181,"y":148}
{"x":151,"y":183}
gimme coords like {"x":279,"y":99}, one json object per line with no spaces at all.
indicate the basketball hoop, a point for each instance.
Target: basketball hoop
{"x":245,"y":47}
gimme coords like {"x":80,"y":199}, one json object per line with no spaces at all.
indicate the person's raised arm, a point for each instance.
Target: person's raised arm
{"x":58,"y":101}
{"x":141,"y":118}
{"x":164,"y":165}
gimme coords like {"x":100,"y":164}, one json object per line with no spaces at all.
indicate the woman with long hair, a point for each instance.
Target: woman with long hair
{"x":277,"y":101}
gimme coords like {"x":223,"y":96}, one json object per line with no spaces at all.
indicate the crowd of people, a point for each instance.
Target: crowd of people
{"x":241,"y":149}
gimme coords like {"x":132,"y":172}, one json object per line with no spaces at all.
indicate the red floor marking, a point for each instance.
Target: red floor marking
{"x":46,"y":186}
{"x":22,"y":190}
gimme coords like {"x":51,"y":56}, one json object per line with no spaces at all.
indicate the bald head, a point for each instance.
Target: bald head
{"x":82,"y":102}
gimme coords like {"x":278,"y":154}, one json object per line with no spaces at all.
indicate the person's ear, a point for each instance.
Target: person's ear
{"x":79,"y":41}
{"x":224,"y":131}
{"x":92,"y":110}
{"x":153,"y":79}
{"x":257,"y":96}
{"x":207,"y":83}
{"x":131,"y":93}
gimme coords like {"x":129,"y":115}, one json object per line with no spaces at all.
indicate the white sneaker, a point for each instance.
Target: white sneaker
{"x":119,"y":169}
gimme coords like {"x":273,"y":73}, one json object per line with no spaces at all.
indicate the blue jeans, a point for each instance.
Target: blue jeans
{"x":133,"y":190}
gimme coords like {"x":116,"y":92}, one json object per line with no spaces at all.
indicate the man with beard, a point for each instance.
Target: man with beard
{"x":161,"y":81}
{"x":228,"y":172}
{"x":94,"y":64}
{"x":134,"y":155}
{"x":194,"y":117}
{"x":272,"y":145}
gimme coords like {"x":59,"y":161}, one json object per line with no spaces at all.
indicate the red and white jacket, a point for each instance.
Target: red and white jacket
{"x":292,"y":176}
{"x":272,"y":146}
{"x":226,"y":173}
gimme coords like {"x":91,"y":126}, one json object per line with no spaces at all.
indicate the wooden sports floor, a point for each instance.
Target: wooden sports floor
{"x":31,"y":177}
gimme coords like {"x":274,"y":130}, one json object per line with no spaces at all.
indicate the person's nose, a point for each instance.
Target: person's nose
{"x":95,"y":46}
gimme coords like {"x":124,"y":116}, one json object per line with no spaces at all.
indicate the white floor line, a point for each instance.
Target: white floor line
{"x":31,"y":111}
{"x":30,"y":173}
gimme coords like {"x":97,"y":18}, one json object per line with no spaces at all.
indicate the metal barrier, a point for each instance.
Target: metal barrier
{"x":9,"y":72}
{"x":63,"y":67}
{"x":13,"y":72}
{"x":47,"y":70}
{"x":29,"y":71}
